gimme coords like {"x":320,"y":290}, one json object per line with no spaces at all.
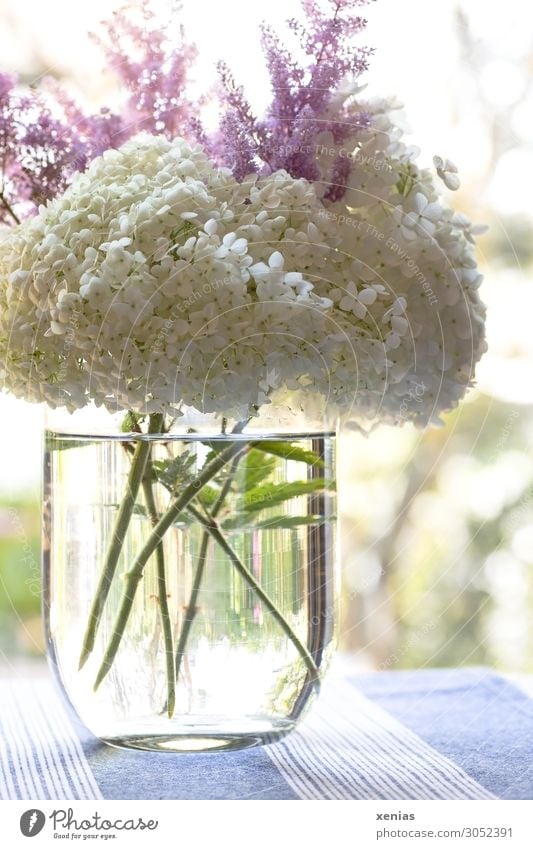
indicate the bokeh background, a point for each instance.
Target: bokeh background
{"x":437,"y":525}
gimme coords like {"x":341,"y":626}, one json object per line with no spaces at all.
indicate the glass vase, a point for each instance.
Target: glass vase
{"x":214,"y":630}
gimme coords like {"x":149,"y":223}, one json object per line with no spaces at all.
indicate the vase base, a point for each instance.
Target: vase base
{"x":202,"y":740}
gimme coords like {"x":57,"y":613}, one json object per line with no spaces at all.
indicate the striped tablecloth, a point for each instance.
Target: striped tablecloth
{"x":435,"y":734}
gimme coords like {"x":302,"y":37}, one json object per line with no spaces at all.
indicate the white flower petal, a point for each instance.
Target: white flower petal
{"x":276,"y":260}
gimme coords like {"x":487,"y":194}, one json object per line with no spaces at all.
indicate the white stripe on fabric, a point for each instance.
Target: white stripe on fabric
{"x":11,"y":738}
{"x":416,"y":752}
{"x":31,"y":774}
{"x":63,"y":728}
{"x":350,"y":748}
{"x":47,"y":753}
{"x":28,"y":711}
{"x":50,"y":775}
{"x":41,"y":756}
{"x":9,"y":757}
{"x":7,"y":788}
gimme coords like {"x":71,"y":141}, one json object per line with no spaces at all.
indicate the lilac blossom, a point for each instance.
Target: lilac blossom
{"x":39,"y":150}
{"x":302,"y":97}
{"x":152,"y":69}
{"x":46,"y":137}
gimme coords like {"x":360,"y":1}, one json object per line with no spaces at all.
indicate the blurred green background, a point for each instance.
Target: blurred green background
{"x":437,"y":525}
{"x":20,"y":631}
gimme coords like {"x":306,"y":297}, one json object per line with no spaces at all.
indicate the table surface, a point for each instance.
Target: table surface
{"x":421,"y":734}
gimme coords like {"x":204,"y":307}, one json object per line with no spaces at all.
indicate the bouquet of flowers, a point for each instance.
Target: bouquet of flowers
{"x":150,"y":265}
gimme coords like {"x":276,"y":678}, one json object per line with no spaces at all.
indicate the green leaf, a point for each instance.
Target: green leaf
{"x":406,"y":182}
{"x":269,"y":494}
{"x":208,"y":495}
{"x":289,"y":451}
{"x":216,"y":446}
{"x":256,"y":468}
{"x":175,"y":472}
{"x":131,"y":423}
{"x":273,"y":523}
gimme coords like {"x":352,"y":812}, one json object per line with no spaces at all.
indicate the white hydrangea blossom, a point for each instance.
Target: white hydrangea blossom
{"x":448,"y":173}
{"x":158,"y":280}
{"x":413,"y":261}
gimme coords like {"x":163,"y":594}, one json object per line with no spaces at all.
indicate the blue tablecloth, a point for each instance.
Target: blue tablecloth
{"x":435,"y":734}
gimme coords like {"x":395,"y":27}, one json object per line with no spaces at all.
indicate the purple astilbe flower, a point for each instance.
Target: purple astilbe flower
{"x":238,"y":146}
{"x":153,"y":70}
{"x":237,"y":141}
{"x":49,"y":152}
{"x":303,"y":96}
{"x":38,"y":151}
{"x":96,"y":132}
{"x":327,"y":40}
{"x":44,"y":139}
{"x":101,"y":131}
{"x":8,"y":146}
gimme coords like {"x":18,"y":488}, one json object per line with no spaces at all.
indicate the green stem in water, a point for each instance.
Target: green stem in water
{"x":166,"y":624}
{"x":192,"y":606}
{"x":133,"y":577}
{"x":191,"y":610}
{"x":122,"y":521}
{"x":213,"y":529}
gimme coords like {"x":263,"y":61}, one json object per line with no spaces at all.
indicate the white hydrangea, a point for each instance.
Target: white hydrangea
{"x":157,"y":280}
{"x":409,"y":276}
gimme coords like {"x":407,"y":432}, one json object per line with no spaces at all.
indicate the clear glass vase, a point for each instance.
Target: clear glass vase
{"x":189,"y":625}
